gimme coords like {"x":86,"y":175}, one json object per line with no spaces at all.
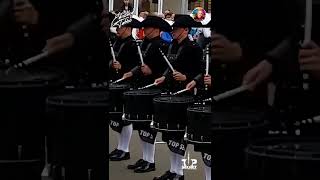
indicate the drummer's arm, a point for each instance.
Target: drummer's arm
{"x":136,"y":70}
{"x":198,"y":78}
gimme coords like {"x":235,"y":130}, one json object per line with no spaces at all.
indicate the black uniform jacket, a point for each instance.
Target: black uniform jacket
{"x":187,"y":62}
{"x":152,"y":58}
{"x":127,"y":54}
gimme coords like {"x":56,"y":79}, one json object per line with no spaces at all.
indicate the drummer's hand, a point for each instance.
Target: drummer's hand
{"x":25,"y":13}
{"x":191,"y":85}
{"x":257,"y":74}
{"x":179,"y":76}
{"x":225,"y":50}
{"x":127,"y":75}
{"x":116,"y":65}
{"x":309,"y":59}
{"x":146,"y":70}
{"x":207,"y":80}
{"x":160,"y":80}
{"x":59,"y":43}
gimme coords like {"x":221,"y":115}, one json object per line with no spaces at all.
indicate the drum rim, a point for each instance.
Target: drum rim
{"x":136,"y":120}
{"x":192,"y":100}
{"x":128,"y":93}
{"x":54,"y":100}
{"x":259,"y":124}
{"x":19,"y":161}
{"x":195,"y":141}
{"x":166,"y":130}
{"x":252,"y":149}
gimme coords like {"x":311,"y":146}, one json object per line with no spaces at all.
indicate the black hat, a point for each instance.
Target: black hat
{"x":134,"y":24}
{"x":186,"y":21}
{"x":157,"y":22}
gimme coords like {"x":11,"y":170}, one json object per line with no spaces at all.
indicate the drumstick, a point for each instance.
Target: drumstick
{"x":112,"y":53}
{"x":207,"y":64}
{"x":308,"y":22}
{"x":140,"y":54}
{"x":33,"y":59}
{"x":229,"y":93}
{"x":119,"y":80}
{"x":179,"y":92}
{"x":29,"y":61}
{"x":148,"y":86}
{"x":168,"y":62}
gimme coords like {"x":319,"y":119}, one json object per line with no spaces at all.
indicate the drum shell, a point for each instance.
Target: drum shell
{"x":21,"y":169}
{"x":23,"y":112}
{"x":266,"y":163}
{"x":199,"y":122}
{"x":116,"y":96}
{"x":231,"y":133}
{"x":171,"y":113}
{"x":140,"y":101}
{"x":78,"y":128}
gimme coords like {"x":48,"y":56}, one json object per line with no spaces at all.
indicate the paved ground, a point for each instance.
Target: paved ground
{"x":118,"y":170}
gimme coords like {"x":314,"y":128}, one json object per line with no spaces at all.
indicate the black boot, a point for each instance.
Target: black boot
{"x":145,"y":167}
{"x":114,"y":152}
{"x":178,"y":177}
{"x":136,"y":165}
{"x":120,"y":156}
{"x":167,"y":176}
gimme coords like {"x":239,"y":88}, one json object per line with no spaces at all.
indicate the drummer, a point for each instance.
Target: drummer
{"x":186,"y":57}
{"x":126,"y":57}
{"x":145,"y":74}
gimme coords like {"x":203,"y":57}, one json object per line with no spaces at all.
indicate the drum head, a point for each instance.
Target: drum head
{"x":174,"y":99}
{"x":93,"y":98}
{"x":143,"y":92}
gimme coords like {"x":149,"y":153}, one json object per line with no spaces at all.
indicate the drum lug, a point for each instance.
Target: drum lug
{"x":151,"y":124}
{"x":178,"y":126}
{"x":202,"y":138}
{"x":123,"y":116}
{"x":167,"y":126}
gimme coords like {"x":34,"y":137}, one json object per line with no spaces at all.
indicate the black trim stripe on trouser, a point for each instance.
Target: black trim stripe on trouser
{"x":175,"y":142}
{"x":206,"y":159}
{"x":146,"y":133}
{"x":116,"y":123}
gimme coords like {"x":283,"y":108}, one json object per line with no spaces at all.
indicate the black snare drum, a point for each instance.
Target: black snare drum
{"x":284,"y":158}
{"x":23,"y":98}
{"x":78,"y":131}
{"x":139,"y":105}
{"x":232,"y":129}
{"x":199,"y":123}
{"x":171,"y":112}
